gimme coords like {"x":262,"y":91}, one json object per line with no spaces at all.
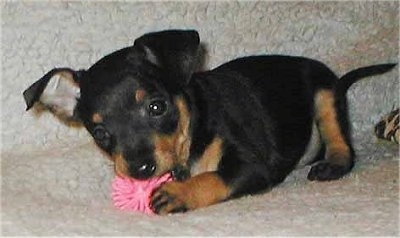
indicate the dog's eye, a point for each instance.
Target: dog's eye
{"x":100,"y":133}
{"x":157,"y":108}
{"x":102,"y":136}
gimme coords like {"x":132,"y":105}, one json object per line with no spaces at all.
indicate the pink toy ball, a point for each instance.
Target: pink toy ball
{"x":130,"y":194}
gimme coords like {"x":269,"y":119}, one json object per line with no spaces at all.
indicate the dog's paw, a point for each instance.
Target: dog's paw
{"x":325,"y":171}
{"x":170,"y":198}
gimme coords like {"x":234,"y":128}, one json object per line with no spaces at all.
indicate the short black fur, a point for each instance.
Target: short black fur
{"x":261,"y":108}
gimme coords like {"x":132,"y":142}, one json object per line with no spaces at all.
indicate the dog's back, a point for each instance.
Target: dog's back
{"x":285,"y":87}
{"x":304,"y":102}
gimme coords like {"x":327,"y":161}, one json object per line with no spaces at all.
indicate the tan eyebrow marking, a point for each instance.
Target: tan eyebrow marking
{"x":140,"y":94}
{"x":97,"y":118}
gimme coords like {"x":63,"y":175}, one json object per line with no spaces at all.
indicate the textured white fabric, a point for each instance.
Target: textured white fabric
{"x":56,"y":182}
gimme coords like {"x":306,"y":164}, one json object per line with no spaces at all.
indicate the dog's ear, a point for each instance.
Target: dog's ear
{"x":174,"y":51}
{"x":58,"y":91}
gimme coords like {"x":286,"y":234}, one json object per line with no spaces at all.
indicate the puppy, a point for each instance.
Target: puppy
{"x":235,"y":130}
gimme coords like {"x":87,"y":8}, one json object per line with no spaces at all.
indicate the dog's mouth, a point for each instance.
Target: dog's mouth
{"x":153,"y":166}
{"x":134,"y":169}
{"x":169,"y":151}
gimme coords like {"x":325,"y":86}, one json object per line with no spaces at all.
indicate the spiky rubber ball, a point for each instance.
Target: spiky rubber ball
{"x":130,"y":194}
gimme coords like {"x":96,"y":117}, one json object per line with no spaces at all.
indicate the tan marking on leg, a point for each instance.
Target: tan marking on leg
{"x":97,"y":118}
{"x":199,"y":191}
{"x":120,"y":165}
{"x":312,"y":149}
{"x":338,"y":152}
{"x":139,"y":95}
{"x":210,"y":159}
{"x":173,"y":149}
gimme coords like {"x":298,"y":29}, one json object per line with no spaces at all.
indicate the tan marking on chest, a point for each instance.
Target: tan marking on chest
{"x":210,"y":159}
{"x":174,"y":149}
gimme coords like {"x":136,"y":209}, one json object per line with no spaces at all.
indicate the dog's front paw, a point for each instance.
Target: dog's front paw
{"x":170,"y":198}
{"x":325,"y":171}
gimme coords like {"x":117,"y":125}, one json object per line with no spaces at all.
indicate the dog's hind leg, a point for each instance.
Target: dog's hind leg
{"x":339,"y":155}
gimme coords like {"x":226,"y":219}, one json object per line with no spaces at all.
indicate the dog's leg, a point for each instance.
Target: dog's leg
{"x":339,"y":157}
{"x":199,"y":191}
{"x":234,"y":177}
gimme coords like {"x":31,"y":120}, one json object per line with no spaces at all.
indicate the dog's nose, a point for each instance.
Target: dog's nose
{"x":143,"y":170}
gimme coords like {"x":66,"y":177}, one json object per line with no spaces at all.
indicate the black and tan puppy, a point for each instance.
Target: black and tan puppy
{"x":238,"y":129}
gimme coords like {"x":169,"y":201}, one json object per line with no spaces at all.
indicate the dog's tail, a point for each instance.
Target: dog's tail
{"x":351,"y":77}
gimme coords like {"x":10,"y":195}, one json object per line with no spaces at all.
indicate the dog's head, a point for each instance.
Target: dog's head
{"x":130,"y":101}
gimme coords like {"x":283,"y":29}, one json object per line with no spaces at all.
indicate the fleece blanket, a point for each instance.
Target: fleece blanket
{"x":56,"y":182}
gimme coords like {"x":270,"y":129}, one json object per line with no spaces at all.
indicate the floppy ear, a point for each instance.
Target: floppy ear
{"x":174,"y":51}
{"x":58,"y":91}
